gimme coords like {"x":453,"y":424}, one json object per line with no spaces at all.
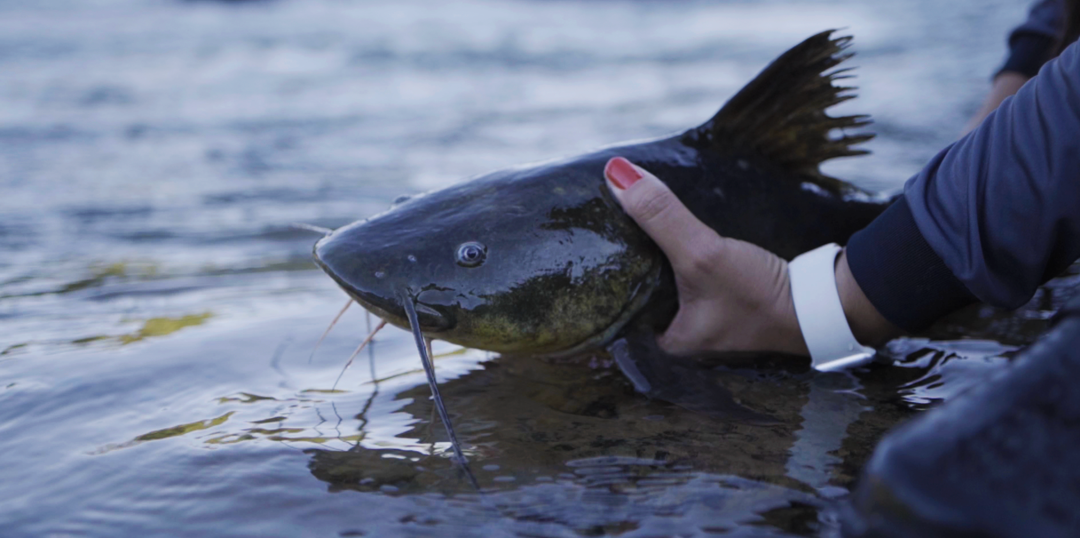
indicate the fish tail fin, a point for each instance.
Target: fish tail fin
{"x":780,"y":115}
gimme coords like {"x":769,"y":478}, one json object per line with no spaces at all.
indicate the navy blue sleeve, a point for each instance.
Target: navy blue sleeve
{"x":990,"y":217}
{"x":1032,"y":44}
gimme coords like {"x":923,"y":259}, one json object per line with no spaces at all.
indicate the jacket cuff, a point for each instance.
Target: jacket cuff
{"x":1027,"y":54}
{"x":900,"y":274}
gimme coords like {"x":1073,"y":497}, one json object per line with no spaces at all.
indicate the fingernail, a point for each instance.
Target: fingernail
{"x":621,"y":173}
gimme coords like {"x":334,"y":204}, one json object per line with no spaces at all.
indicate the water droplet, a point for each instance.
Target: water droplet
{"x":379,"y":274}
{"x":412,"y":258}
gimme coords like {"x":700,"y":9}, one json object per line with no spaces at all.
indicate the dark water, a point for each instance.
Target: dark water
{"x":157,"y":313}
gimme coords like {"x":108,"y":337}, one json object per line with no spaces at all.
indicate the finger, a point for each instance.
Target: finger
{"x":685,"y":239}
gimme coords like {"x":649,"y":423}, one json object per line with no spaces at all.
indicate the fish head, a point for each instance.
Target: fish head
{"x":538,"y":260}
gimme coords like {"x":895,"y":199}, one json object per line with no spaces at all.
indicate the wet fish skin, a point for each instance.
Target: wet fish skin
{"x":565,"y":269}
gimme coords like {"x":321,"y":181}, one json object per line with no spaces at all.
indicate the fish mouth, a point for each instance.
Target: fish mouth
{"x":390,"y":307}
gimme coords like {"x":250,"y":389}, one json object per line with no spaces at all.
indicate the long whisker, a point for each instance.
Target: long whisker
{"x":371,"y":353}
{"x":357,"y":352}
{"x":429,"y":368}
{"x":312,"y":228}
{"x":332,"y":323}
{"x":363,"y":416}
{"x":374,"y":393}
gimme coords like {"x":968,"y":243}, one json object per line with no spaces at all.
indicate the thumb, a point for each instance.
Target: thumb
{"x":658,"y":211}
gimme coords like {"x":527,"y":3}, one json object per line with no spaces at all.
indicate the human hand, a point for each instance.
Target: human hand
{"x":1007,"y":83}
{"x":733,"y":295}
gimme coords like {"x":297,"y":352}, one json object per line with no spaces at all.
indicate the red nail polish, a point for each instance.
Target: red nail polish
{"x":621,"y":172}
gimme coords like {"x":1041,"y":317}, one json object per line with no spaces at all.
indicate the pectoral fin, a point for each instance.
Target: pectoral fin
{"x":677,"y":380}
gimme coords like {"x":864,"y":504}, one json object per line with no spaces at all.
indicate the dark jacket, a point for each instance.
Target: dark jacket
{"x":990,"y":217}
{"x":1033,"y":43}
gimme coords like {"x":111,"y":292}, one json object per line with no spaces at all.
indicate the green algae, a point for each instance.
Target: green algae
{"x":183,"y":429}
{"x":164,"y":326}
{"x":244,"y":398}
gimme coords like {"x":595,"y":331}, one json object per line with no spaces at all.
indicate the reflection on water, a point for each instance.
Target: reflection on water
{"x":560,"y":448}
{"x":569,"y":446}
{"x":833,"y":404}
{"x":157,"y":312}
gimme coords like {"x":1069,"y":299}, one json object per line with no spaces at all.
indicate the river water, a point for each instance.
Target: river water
{"x":158,"y":312}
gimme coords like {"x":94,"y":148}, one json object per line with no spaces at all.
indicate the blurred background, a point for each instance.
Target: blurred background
{"x":145,"y":145}
{"x":153,"y":154}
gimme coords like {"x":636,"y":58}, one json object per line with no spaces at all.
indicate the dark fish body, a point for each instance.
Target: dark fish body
{"x":562,"y":268}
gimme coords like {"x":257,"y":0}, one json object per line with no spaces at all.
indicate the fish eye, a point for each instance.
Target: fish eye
{"x":471,"y":254}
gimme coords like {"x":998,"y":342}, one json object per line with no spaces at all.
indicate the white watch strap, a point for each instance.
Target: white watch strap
{"x":821,"y":316}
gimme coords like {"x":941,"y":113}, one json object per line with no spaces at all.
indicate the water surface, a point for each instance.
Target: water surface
{"x":157,"y":312}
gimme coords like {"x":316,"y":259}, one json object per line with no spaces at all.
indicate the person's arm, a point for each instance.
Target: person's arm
{"x":1031,"y":45}
{"x":1005,"y":84}
{"x":990,"y":218}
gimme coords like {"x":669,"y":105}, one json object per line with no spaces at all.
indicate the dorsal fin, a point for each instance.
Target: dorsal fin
{"x":780,"y":114}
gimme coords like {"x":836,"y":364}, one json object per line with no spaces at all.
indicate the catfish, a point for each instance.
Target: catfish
{"x":540,"y":259}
